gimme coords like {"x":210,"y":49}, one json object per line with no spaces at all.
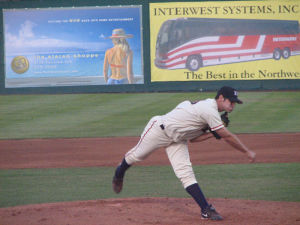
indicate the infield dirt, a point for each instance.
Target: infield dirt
{"x":87,"y":152}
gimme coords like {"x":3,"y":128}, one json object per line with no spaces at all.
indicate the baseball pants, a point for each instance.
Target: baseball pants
{"x":153,"y":138}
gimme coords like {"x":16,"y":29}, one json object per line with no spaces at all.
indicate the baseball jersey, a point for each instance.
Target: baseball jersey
{"x":187,"y":120}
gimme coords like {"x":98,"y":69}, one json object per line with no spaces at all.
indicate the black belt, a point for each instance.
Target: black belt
{"x":162,"y":126}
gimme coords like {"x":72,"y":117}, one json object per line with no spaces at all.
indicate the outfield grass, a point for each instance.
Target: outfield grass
{"x":102,"y":115}
{"x":98,"y":115}
{"x":276,"y":182}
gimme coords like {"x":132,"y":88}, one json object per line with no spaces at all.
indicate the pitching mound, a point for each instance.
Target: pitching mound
{"x":165,"y":211}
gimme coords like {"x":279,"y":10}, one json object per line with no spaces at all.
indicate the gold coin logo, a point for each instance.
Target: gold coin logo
{"x":20,"y":64}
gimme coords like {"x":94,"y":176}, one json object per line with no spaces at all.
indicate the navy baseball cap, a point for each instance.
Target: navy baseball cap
{"x":229,"y":93}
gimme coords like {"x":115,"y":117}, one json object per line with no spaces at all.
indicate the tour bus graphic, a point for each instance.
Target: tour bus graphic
{"x":192,"y":43}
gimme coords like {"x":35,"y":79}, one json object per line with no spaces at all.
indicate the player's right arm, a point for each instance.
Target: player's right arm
{"x":235,"y":142}
{"x":203,"y":137}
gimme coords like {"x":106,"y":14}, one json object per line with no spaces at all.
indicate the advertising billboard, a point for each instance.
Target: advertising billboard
{"x":73,"y":46}
{"x":237,"y":40}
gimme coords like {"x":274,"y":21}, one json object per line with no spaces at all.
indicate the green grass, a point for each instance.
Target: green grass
{"x":97,"y":115}
{"x":103,"y":115}
{"x":276,"y":182}
{"x":268,"y":112}
{"x":87,"y":115}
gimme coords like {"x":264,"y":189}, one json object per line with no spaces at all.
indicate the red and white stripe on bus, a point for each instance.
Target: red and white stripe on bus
{"x":216,"y":50}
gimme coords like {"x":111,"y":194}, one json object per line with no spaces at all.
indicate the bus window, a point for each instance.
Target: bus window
{"x":177,"y":34}
{"x":195,"y":30}
{"x":163,"y":39}
{"x":163,"y":36}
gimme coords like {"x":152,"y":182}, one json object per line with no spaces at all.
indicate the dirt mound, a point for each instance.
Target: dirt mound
{"x":163,"y":211}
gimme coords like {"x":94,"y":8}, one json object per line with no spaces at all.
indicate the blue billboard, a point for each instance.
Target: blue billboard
{"x":73,"y":46}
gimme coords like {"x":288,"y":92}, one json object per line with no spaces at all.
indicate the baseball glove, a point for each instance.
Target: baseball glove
{"x":225,"y":119}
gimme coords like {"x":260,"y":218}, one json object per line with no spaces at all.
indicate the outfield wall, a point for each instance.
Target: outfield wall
{"x":60,"y":47}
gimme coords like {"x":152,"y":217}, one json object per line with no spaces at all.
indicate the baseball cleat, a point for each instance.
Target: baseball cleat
{"x":210,"y":213}
{"x":117,"y":184}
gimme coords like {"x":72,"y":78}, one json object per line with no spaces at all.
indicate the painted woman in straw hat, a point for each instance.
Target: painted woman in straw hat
{"x":119,"y":59}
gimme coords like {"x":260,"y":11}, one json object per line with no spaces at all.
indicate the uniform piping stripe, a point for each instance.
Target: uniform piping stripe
{"x":214,"y":128}
{"x":142,"y":138}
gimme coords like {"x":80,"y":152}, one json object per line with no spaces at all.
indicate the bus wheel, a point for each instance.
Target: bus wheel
{"x":193,"y":62}
{"x":286,"y":53}
{"x":276,"y":53}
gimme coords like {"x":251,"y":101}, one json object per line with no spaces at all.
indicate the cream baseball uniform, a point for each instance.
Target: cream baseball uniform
{"x":173,"y":131}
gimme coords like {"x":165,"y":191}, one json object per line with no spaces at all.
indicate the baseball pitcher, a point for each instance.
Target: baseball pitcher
{"x":187,"y":122}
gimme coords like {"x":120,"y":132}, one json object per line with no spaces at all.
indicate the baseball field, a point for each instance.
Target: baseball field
{"x":58,"y":154}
